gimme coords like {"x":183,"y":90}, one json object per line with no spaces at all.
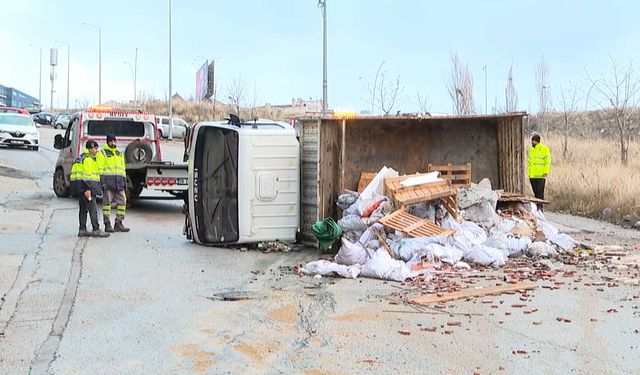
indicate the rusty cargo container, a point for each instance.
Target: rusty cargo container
{"x":334,"y":151}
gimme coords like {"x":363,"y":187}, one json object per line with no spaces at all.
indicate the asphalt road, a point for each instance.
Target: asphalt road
{"x":149,"y":302}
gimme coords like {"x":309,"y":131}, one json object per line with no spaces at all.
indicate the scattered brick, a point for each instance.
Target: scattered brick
{"x":537,"y":322}
{"x":404,"y":333}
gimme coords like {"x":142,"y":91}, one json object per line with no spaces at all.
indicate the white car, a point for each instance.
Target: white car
{"x":18,"y":130}
{"x":178,"y":130}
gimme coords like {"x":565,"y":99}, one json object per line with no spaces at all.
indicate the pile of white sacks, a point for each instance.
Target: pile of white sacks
{"x":481,"y":237}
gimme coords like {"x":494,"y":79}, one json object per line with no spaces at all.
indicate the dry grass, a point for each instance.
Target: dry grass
{"x":591,"y":178}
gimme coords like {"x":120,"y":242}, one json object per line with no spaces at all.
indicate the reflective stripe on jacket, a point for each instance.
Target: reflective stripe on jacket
{"x":85,"y":175}
{"x":539,"y":161}
{"x":113,"y":172}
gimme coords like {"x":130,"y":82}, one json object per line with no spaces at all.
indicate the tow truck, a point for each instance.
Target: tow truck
{"x":139,"y":141}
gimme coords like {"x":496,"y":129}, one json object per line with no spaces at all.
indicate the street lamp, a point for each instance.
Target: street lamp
{"x":322,"y":4}
{"x":134,"y":74}
{"x":68,"y":68}
{"x":40,"y":79}
{"x":99,"y":60}
{"x":170,"y":90}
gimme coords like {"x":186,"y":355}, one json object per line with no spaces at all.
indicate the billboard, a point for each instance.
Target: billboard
{"x":202,"y":81}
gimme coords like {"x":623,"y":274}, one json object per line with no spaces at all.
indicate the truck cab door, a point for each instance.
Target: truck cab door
{"x":68,"y":153}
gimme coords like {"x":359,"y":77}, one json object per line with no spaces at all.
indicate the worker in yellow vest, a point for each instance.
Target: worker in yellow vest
{"x":85,"y":184}
{"x":539,"y":167}
{"x":113,"y":175}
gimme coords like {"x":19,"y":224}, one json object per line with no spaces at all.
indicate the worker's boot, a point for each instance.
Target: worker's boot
{"x":107,"y":227}
{"x":99,"y":233}
{"x":119,"y":227}
{"x":84,"y":233}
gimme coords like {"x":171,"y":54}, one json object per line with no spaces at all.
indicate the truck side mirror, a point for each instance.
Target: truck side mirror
{"x":58,"y":142}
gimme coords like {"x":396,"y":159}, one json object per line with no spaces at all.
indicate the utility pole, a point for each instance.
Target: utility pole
{"x":170,"y":90}
{"x":53,"y":61}
{"x":68,"y":68}
{"x":40,"y":77}
{"x":99,"y":60}
{"x":325,"y":105}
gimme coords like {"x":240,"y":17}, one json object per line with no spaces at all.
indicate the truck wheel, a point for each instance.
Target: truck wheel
{"x":59,"y":187}
{"x":133,"y":193}
{"x":138,"y":152}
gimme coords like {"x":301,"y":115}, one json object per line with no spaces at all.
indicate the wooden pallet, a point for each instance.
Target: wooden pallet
{"x":407,"y":195}
{"x":459,"y":175}
{"x":515,"y":197}
{"x":414,"y":226}
{"x":365,"y":179}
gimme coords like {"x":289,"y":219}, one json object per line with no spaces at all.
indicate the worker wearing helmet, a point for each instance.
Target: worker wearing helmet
{"x":85,"y":184}
{"x":113,"y":175}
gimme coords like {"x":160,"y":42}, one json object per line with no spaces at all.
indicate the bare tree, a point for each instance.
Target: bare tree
{"x":236,"y":93}
{"x":460,"y":87}
{"x":510,"y":94}
{"x":424,"y":105}
{"x":619,"y":101}
{"x":387,"y":93}
{"x":543,"y":89}
{"x":569,"y":106}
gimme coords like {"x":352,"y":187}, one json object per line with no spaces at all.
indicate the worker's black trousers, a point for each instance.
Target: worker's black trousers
{"x":88,"y":206}
{"x":537,"y":185}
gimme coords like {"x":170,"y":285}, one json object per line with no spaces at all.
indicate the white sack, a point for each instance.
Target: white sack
{"x":382,"y":266}
{"x":420,"y":180}
{"x":326,"y":268}
{"x":486,"y":255}
{"x":352,"y":223}
{"x":351,"y":253}
{"x":432,"y":248}
{"x":541,"y":249}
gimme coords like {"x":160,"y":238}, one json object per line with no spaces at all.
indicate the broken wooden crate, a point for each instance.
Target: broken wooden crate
{"x":407,"y":195}
{"x":414,"y":226}
{"x":365,"y":179}
{"x":459,"y":175}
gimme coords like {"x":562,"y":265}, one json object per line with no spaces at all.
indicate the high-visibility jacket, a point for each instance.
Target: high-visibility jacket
{"x":85,"y":175}
{"x":539,"y":161}
{"x":113,"y":171}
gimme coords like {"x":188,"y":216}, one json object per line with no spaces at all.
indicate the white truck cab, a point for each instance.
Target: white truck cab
{"x":138,"y":140}
{"x":243,"y":182}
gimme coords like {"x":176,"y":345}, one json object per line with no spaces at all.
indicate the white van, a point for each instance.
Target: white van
{"x":244,"y":182}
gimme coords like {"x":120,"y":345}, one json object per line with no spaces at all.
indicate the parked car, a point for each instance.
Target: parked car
{"x":13,"y":110}
{"x":179,"y":127}
{"x":62,"y":121}
{"x":18,"y":130}
{"x":42,"y":118}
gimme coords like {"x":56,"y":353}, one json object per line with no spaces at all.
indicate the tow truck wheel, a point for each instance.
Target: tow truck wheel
{"x":59,"y":186}
{"x":133,"y":193}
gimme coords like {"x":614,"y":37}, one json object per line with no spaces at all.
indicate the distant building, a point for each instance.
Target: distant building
{"x":298,"y":107}
{"x":10,"y":97}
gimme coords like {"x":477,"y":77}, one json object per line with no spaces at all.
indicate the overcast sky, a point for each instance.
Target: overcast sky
{"x":276,"y":46}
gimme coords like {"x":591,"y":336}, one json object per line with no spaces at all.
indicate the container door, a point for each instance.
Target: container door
{"x":214,"y":193}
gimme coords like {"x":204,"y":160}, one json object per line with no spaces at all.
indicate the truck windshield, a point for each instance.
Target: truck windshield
{"x":216,"y":185}
{"x":122,"y":128}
